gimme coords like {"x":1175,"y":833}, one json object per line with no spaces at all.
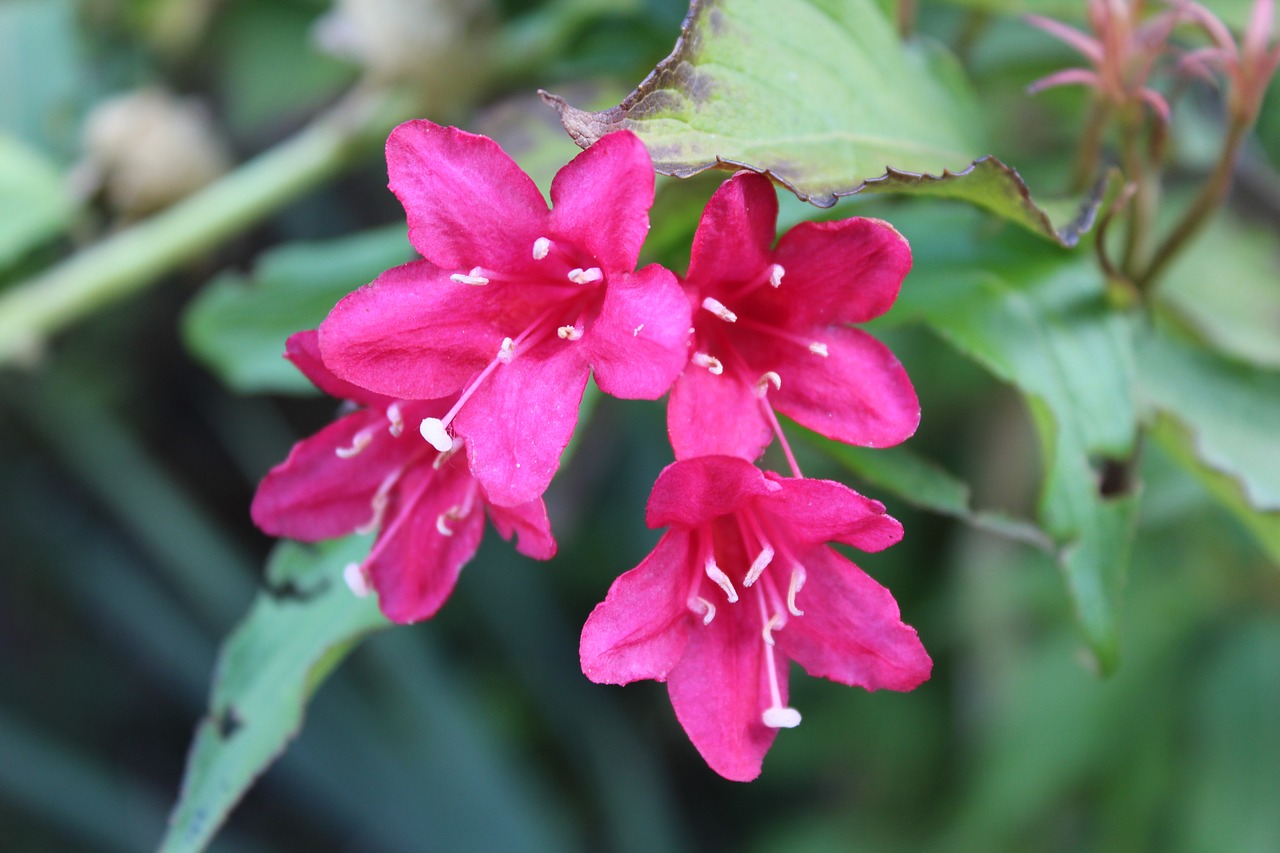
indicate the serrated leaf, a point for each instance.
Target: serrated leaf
{"x":296,"y":632}
{"x":238,"y":327}
{"x":921,"y":483}
{"x":34,"y":204}
{"x":820,"y":94}
{"x":1037,"y":318}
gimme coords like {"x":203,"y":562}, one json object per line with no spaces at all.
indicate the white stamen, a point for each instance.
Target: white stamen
{"x":441,"y":525}
{"x":718,"y":577}
{"x":818,"y":348}
{"x":635,"y":333}
{"x":507,"y":351}
{"x":396,"y":418}
{"x":776,"y":272}
{"x":706,"y":608}
{"x":797,"y":581}
{"x":758,"y":567}
{"x":781,"y":718}
{"x":433,"y":431}
{"x":587,"y":276}
{"x":444,"y":457}
{"x":569,"y":333}
{"x":473,"y":278}
{"x":541,"y":247}
{"x":357,"y":579}
{"x":379,"y":505}
{"x":763,"y":383}
{"x":715,"y":306}
{"x":710,"y":362}
{"x":775,"y":622}
{"x":358,"y":442}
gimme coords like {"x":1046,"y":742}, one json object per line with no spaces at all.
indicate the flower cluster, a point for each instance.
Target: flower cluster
{"x":467,"y":369}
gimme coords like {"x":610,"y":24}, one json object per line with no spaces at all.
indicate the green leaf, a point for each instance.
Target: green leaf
{"x":34,"y":205}
{"x":296,"y":632}
{"x":921,"y":483}
{"x":820,"y":94}
{"x":238,"y":327}
{"x":1038,"y":318}
{"x":43,"y":64}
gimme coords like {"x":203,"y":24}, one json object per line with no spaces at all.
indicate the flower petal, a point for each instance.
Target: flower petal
{"x":303,"y":349}
{"x":530,"y":523}
{"x":835,"y":272}
{"x":640,"y":629}
{"x":601,"y":200}
{"x":719,"y":691}
{"x":851,"y":631}
{"x":314,"y":494}
{"x":859,"y":394}
{"x":738,"y":225}
{"x":710,"y":415}
{"x":521,"y":418}
{"x":415,"y":566}
{"x":816,"y":511}
{"x":639,"y":343}
{"x":467,"y":202}
{"x":413,"y":333}
{"x":694,"y":491}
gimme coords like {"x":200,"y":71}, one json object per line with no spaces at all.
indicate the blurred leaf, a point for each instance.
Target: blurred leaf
{"x":820,"y":94}
{"x":40,"y":62}
{"x":299,"y":628}
{"x":921,"y":483}
{"x":238,"y":327}
{"x":1037,"y":318}
{"x":1225,"y":287}
{"x":33,"y":203}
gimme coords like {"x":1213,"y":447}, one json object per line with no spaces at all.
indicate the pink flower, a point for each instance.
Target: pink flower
{"x":514,"y":304}
{"x":741,"y":583}
{"x":770,"y":329}
{"x":370,"y":470}
{"x":1248,"y":66}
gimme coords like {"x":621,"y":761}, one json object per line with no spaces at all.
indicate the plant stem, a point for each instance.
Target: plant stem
{"x":133,"y":258}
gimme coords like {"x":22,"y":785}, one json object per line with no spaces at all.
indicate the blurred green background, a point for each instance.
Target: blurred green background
{"x":126,"y":550}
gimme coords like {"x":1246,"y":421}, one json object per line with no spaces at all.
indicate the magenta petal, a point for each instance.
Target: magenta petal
{"x":640,"y":629}
{"x":415,"y":565}
{"x":314,"y":494}
{"x":694,"y":491}
{"x":601,"y":200}
{"x":719,"y":691}
{"x":711,"y":415}
{"x":851,"y":631}
{"x":859,"y":394}
{"x":815,"y":511}
{"x":530,"y":523}
{"x":836,"y":272}
{"x":412,"y":334}
{"x":520,"y":420}
{"x":467,"y":202}
{"x":639,"y":343}
{"x":737,"y":228}
{"x":303,"y":349}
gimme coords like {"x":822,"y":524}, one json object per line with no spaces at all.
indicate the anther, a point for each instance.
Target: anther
{"x":781,"y":718}
{"x":587,"y":276}
{"x":706,"y":608}
{"x":797,"y":581}
{"x":776,"y":272}
{"x":396,"y":418}
{"x":474,"y":277}
{"x":718,"y":577}
{"x":818,"y":348}
{"x":710,"y":362}
{"x":433,"y":431}
{"x":569,"y":333}
{"x":775,"y":622}
{"x":441,"y":524}
{"x":541,"y":247}
{"x":635,"y":333}
{"x":758,"y":567}
{"x":763,"y":383}
{"x":358,"y":442}
{"x":715,"y":306}
{"x":507,"y":351}
{"x":357,"y":578}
